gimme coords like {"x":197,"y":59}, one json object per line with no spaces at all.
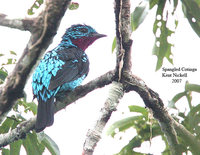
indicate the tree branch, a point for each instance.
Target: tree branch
{"x":61,"y":103}
{"x":81,"y":91}
{"x":94,"y":135}
{"x":44,"y":29}
{"x":18,"y":133}
{"x":124,"y":43}
{"x":153,"y":102}
{"x":21,"y":24}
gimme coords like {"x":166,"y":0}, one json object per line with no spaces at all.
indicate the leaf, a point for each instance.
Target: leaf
{"x":13,"y":53}
{"x":176,"y":98}
{"x":114,"y":44}
{"x":175,"y":5}
{"x":32,"y":146}
{"x":5,"y":151}
{"x":73,"y":6}
{"x":31,"y":106}
{"x":36,"y":5}
{"x":10,"y":61}
{"x":139,"y":14}
{"x":142,"y":110}
{"x":162,"y":48}
{"x":3,"y":74}
{"x":15,"y":147}
{"x":152,"y":3}
{"x":128,"y":149}
{"x":30,"y":12}
{"x":193,"y":117}
{"x":50,"y":145}
{"x":123,"y":124}
{"x":192,"y":87}
{"x":142,"y":135}
{"x":6,"y":125}
{"x":191,"y":10}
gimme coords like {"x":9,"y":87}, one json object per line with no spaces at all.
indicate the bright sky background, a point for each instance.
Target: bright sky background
{"x":71,"y":125}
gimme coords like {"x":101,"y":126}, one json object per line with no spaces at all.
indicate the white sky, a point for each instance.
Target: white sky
{"x":71,"y":125}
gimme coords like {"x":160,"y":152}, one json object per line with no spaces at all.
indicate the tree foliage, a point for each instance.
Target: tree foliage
{"x":162,"y":49}
{"x":146,"y":130}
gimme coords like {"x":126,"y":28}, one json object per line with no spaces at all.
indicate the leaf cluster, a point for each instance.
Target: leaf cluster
{"x":146,"y":130}
{"x":165,"y":24}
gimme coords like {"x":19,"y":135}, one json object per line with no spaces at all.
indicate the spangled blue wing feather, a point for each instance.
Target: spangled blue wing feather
{"x":47,"y":68}
{"x":74,"y":70}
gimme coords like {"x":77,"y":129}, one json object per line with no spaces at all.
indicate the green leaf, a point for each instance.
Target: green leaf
{"x":175,"y":5}
{"x":10,"y":61}
{"x":142,"y":110}
{"x":1,"y":54}
{"x":5,"y":151}
{"x":123,"y":124}
{"x":142,"y":135}
{"x":191,"y":9}
{"x":13,"y":53}
{"x":162,"y":48}
{"x":36,"y":5}
{"x":15,"y":147}
{"x":3,"y":74}
{"x":139,"y":14}
{"x":114,"y":44}
{"x":152,"y":3}
{"x":6,"y":125}
{"x":176,"y":98}
{"x":193,"y":117}
{"x":192,"y":87}
{"x":16,"y":122}
{"x":73,"y":6}
{"x":128,"y":149}
{"x":32,"y":146}
{"x":50,"y":145}
{"x":30,"y":12}
{"x":31,"y":106}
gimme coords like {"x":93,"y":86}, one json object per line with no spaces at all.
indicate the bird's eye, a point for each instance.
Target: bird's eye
{"x":84,"y":30}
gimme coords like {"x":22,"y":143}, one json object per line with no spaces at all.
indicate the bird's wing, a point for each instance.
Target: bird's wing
{"x":75,"y":66}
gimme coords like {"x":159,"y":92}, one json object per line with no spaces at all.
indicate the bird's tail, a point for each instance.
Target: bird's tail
{"x":45,"y":114}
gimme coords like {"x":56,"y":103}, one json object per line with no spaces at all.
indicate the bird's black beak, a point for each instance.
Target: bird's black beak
{"x":97,"y":35}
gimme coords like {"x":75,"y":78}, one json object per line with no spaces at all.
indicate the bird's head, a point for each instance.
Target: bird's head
{"x":81,"y":35}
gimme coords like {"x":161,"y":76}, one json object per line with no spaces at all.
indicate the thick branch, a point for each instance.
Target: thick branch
{"x":123,"y":33}
{"x":45,"y":28}
{"x":152,"y":101}
{"x":21,"y":24}
{"x":62,"y":102}
{"x":94,"y":135}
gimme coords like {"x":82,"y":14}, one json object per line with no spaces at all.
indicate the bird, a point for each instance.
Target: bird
{"x":61,"y":69}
